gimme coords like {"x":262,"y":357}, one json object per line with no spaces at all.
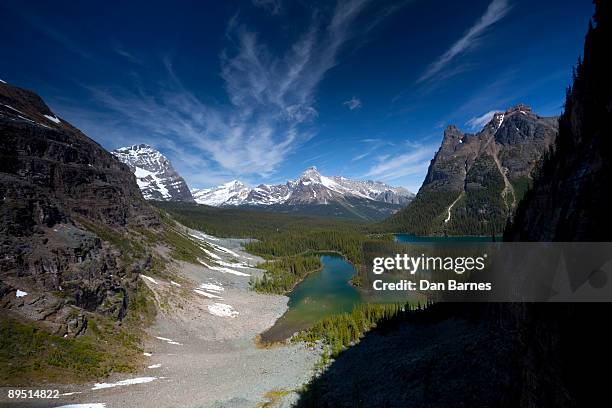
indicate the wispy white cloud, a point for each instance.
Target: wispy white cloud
{"x":414,"y":160}
{"x":496,"y":10}
{"x":271,"y":98}
{"x":273,"y":6}
{"x":126,"y":54}
{"x":479,"y":121}
{"x":353,"y":103}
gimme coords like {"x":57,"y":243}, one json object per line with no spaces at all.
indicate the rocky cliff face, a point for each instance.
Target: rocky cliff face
{"x":155,"y":176}
{"x":570,"y":201}
{"x":62,"y":200}
{"x":571,"y":197}
{"x":475,"y":181}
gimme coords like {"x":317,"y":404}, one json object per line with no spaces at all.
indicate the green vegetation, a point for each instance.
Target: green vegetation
{"x":521,"y":186}
{"x":479,"y":211}
{"x":482,"y":211}
{"x":286,"y":241}
{"x":423,"y":216}
{"x":29,"y":353}
{"x":346,"y":243}
{"x":241,"y":223}
{"x":340,"y":331}
{"x":284,"y":273}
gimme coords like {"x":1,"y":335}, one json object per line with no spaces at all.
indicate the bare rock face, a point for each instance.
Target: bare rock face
{"x":155,"y":175}
{"x":66,"y":205}
{"x":475,"y":181}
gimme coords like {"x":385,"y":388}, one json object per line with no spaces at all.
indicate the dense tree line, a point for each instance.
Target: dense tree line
{"x":340,"y":331}
{"x":242,"y":223}
{"x":347,"y":243}
{"x":423,"y":216}
{"x":284,"y":273}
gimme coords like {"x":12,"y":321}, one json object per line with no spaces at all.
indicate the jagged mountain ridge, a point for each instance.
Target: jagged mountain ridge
{"x":61,"y":193}
{"x":311,"y":188}
{"x":475,"y":181}
{"x":155,"y":176}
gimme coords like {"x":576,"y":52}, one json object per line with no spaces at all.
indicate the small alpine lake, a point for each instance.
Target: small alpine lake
{"x":328,"y":291}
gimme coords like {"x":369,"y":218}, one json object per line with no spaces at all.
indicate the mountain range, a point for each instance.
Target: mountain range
{"x":475,"y":181}
{"x":310,"y":188}
{"x":312,"y":194}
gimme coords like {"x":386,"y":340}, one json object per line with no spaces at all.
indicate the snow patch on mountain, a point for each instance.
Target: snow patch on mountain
{"x":231,"y":193}
{"x":155,"y":176}
{"x":311,"y":188}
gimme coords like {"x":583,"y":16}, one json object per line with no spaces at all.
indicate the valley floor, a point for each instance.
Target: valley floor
{"x":201,"y":351}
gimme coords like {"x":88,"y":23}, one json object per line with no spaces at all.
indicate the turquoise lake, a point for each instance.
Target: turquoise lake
{"x":328,"y":292}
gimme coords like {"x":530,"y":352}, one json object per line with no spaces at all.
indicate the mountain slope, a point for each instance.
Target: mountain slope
{"x":61,"y":193}
{"x":571,"y":198}
{"x":156,"y":177}
{"x":475,"y":180}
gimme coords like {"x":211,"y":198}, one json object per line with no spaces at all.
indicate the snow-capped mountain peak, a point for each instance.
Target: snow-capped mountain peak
{"x":231,"y":193}
{"x":155,"y":176}
{"x":310,"y":188}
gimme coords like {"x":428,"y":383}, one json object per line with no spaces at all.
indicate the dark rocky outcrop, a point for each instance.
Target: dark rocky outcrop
{"x":66,"y":205}
{"x":475,"y":180}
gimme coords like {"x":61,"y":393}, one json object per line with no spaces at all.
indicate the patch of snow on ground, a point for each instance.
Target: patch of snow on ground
{"x":211,"y":287}
{"x":150,"y":279}
{"x":208,"y":295}
{"x":53,"y":119}
{"x":175,"y":284}
{"x":223,"y":249}
{"x":169,"y":341}
{"x":4,"y":82}
{"x":222,"y":269}
{"x":147,"y":354}
{"x":129,"y":381}
{"x":20,"y":293}
{"x":222,"y":310}
{"x":210,"y":253}
{"x":154,"y":366}
{"x":202,"y":236}
{"x":89,"y":405}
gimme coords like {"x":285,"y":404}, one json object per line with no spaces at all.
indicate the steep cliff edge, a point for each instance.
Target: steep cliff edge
{"x":67,"y":206}
{"x":571,"y":198}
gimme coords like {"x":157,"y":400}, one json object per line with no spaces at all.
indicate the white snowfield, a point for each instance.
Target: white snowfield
{"x":206,"y":294}
{"x":222,"y":310}
{"x":20,"y":293}
{"x":53,"y":119}
{"x":129,"y":381}
{"x":169,"y":341}
{"x":222,"y":269}
{"x":211,"y":287}
{"x":147,"y":179}
{"x":150,"y":279}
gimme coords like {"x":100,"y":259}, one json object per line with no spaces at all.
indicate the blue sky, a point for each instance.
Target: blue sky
{"x":259,"y":90}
